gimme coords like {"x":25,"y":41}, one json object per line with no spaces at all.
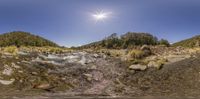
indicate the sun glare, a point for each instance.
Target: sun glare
{"x":100,"y":16}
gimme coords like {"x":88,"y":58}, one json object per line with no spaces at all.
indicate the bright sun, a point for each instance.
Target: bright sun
{"x":100,"y":15}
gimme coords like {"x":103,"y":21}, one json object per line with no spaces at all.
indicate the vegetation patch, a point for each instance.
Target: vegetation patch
{"x":11,"y":49}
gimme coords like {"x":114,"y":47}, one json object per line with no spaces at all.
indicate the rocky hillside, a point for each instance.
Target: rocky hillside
{"x":191,"y":42}
{"x":19,"y":38}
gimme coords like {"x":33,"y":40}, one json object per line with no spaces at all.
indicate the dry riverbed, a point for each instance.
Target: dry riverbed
{"x":87,"y":73}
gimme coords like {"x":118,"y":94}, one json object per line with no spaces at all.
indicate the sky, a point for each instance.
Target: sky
{"x":72,"y":22}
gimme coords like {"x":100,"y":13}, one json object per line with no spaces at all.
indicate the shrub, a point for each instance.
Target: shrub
{"x":55,"y":50}
{"x":11,"y":49}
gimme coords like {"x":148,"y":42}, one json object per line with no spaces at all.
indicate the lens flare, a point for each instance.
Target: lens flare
{"x":100,"y":15}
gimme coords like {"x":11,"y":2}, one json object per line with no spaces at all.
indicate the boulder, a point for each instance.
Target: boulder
{"x":156,"y":64}
{"x":7,"y":82}
{"x":138,"y":67}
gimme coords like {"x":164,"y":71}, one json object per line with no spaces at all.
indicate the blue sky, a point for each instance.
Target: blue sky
{"x":70,"y":22}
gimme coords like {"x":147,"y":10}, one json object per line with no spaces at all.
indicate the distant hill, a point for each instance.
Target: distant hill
{"x":20,"y":38}
{"x":128,"y":40}
{"x":191,"y":42}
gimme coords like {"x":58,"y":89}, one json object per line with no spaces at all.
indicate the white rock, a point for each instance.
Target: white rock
{"x":104,"y":56}
{"x":22,"y":53}
{"x":83,"y":60}
{"x":7,"y":70}
{"x":96,"y":55}
{"x":54,"y":63}
{"x":82,"y":53}
{"x":7,"y":82}
{"x":71,"y":58}
{"x":54,"y":57}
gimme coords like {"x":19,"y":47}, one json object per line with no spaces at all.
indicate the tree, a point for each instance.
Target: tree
{"x":164,"y":42}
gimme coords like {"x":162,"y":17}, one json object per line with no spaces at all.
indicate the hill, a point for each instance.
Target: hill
{"x":128,"y":40}
{"x":191,"y":42}
{"x":19,"y":38}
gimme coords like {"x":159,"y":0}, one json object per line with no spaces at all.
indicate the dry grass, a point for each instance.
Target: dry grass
{"x":136,"y":54}
{"x":11,"y":49}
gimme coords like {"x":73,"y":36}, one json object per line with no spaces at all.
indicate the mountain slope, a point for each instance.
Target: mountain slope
{"x":191,"y":42}
{"x":128,"y":40}
{"x":19,"y":38}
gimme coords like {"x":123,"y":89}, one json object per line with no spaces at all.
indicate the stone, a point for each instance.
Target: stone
{"x":96,"y":56}
{"x":22,"y":53}
{"x":157,"y":64}
{"x":71,"y":58}
{"x":7,"y":70}
{"x":43,"y":86}
{"x":53,"y":57}
{"x":83,"y":60}
{"x":7,"y":82}
{"x":88,"y":77}
{"x":34,"y":73}
{"x":93,"y":67}
{"x":138,"y":67}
